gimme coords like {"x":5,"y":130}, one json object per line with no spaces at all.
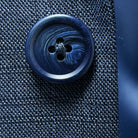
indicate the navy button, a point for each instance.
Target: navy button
{"x":60,"y":48}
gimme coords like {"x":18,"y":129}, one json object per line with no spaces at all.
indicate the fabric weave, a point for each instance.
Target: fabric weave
{"x":32,"y":107}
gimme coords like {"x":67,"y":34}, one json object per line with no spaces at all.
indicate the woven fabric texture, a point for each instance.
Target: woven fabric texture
{"x":32,"y":107}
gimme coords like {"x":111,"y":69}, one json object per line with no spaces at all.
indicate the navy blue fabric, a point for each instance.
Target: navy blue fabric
{"x":127,"y":46}
{"x":32,"y":107}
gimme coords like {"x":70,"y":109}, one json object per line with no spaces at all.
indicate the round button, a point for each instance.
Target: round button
{"x":60,"y":48}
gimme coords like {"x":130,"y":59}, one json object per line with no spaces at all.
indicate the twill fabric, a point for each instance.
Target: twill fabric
{"x":33,"y":107}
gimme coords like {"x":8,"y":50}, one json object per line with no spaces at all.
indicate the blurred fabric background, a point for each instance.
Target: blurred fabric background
{"x":32,"y":107}
{"x":127,"y":49}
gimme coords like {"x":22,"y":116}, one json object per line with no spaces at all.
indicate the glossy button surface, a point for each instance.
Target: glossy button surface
{"x":60,"y":48}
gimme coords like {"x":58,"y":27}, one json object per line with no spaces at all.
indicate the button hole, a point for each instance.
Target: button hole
{"x":68,"y":48}
{"x":60,"y":56}
{"x":59,"y":40}
{"x":51,"y":49}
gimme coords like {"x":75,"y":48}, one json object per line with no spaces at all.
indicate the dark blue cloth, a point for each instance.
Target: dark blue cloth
{"x":127,"y":46}
{"x":32,"y":107}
